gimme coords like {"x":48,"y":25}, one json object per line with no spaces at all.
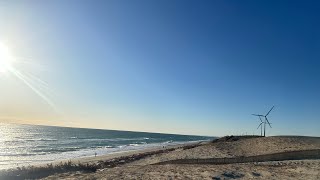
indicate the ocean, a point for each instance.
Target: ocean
{"x":23,"y":145}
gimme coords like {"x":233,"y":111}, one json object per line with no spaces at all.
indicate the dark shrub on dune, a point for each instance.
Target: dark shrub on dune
{"x":32,"y":172}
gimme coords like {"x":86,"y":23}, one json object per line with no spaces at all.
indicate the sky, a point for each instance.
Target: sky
{"x":188,"y":67}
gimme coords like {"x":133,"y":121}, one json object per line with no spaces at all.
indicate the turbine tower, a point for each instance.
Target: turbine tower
{"x":265,"y":121}
{"x":260,"y":125}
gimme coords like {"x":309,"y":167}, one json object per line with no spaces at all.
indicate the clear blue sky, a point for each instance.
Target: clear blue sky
{"x":192,"y":67}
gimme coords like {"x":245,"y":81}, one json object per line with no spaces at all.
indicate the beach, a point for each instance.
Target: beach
{"x":125,"y":154}
{"x":31,"y":145}
{"x":146,"y":167}
{"x":197,"y":160}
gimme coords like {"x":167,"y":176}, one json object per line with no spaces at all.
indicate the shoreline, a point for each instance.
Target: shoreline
{"x":91,"y":164}
{"x":109,"y":155}
{"x":121,"y":154}
{"x":231,"y":156}
{"x":45,"y":144}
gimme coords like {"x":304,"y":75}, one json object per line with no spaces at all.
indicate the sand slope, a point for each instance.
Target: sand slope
{"x":279,"y":170}
{"x":142,"y":169}
{"x":267,"y":145}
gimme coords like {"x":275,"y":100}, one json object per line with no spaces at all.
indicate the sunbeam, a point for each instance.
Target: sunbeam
{"x":7,"y":64}
{"x":25,"y":80}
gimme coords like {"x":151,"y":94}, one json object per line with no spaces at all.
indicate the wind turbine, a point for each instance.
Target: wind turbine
{"x":265,"y":120}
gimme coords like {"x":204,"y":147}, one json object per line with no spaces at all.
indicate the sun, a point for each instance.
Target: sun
{"x":6,"y":58}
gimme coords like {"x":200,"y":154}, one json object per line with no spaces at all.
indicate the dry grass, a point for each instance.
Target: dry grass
{"x":37,"y":172}
{"x":32,"y":172}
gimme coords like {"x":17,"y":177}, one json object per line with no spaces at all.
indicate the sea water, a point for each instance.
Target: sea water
{"x":23,"y":145}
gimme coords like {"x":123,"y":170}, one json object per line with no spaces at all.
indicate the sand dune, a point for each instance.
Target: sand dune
{"x":268,"y":145}
{"x":232,"y":147}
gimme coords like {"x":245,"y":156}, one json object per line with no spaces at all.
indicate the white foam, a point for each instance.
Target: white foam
{"x":6,"y":163}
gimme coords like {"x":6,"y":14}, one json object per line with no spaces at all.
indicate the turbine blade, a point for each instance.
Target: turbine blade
{"x":259,"y":125}
{"x":257,"y":115}
{"x":260,"y":119}
{"x":269,"y":111}
{"x":268,"y":122}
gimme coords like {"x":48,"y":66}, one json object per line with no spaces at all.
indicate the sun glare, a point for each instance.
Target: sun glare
{"x":6,"y":59}
{"x":7,"y":62}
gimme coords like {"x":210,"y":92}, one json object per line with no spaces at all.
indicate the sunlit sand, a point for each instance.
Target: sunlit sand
{"x":157,"y":163}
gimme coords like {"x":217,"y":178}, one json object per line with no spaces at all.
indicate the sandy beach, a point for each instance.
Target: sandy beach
{"x":123,"y":154}
{"x":145,"y":168}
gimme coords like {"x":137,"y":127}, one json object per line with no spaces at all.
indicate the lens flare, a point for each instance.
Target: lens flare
{"x":8,"y":64}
